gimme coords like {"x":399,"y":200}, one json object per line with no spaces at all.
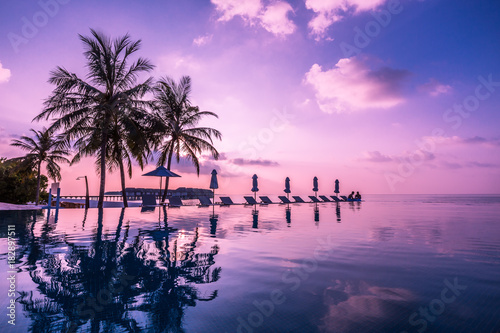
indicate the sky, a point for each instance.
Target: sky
{"x":387,"y":96}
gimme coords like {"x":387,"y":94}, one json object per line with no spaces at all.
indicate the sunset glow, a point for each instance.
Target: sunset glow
{"x":387,"y":96}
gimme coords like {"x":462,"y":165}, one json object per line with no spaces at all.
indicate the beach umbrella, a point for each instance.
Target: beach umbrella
{"x":337,"y":187}
{"x":161,"y":172}
{"x":287,"y":186}
{"x":214,"y":184}
{"x":255,"y":188}
{"x":315,"y":185}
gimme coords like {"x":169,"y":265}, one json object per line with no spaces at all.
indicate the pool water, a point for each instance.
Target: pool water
{"x":388,"y":264}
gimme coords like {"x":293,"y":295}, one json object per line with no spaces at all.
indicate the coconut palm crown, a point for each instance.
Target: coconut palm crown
{"x":84,"y":108}
{"x":176,"y":127}
{"x":45,"y":147}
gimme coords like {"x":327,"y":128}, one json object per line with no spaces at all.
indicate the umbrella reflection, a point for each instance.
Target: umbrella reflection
{"x":213,"y":224}
{"x":337,"y":211}
{"x":316,"y":213}
{"x":255,"y":218}
{"x":288,"y":214}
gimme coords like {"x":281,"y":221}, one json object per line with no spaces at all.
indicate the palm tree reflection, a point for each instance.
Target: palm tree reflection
{"x":118,"y":282}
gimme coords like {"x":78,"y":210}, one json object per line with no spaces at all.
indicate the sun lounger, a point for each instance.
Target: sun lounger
{"x":324,"y":198}
{"x":313,"y":198}
{"x":205,"y":201}
{"x":265,"y":200}
{"x":298,"y":199}
{"x":250,"y":200}
{"x":344,"y":197}
{"x":336,"y":199}
{"x":148,"y":200}
{"x":226,"y":201}
{"x":147,"y":209}
{"x":284,"y":199}
{"x":174,"y":202}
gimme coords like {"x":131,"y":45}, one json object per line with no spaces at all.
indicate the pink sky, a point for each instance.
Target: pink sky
{"x":391,"y":118}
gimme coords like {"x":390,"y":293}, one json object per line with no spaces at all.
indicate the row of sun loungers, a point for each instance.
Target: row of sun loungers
{"x":149,"y":200}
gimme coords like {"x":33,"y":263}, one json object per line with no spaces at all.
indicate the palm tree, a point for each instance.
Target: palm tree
{"x":44,"y":148}
{"x":85,"y":108}
{"x":176,"y":125}
{"x":128,"y":141}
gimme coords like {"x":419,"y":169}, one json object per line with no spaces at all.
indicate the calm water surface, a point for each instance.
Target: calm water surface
{"x":389,"y":264}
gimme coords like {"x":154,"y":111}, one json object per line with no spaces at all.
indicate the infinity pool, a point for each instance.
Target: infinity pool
{"x":389,"y":264}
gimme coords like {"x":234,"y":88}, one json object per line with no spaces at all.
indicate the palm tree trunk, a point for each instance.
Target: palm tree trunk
{"x":104,"y":146}
{"x":38,"y":183}
{"x":103,"y":176}
{"x":122,"y":176}
{"x":169,"y":163}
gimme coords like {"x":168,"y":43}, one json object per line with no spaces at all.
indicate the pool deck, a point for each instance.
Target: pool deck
{"x":8,"y":206}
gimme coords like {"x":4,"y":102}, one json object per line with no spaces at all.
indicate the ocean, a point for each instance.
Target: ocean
{"x":392,"y":263}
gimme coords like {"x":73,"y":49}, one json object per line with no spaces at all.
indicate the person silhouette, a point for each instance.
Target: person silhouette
{"x":358,"y":196}
{"x":351,"y":196}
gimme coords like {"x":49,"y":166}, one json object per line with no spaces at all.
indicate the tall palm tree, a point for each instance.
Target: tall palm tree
{"x":84,"y":108}
{"x":128,"y":141}
{"x":43,"y":148}
{"x":176,"y":125}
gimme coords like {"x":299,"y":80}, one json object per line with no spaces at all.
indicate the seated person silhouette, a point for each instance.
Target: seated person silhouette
{"x":351,"y":196}
{"x":357,"y":196}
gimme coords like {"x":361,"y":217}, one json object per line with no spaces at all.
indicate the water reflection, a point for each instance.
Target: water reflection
{"x":316,"y":213}
{"x":131,"y":283}
{"x":337,"y":212}
{"x":255,"y":218}
{"x":351,"y":303}
{"x":213,"y":224}
{"x":288,"y":214}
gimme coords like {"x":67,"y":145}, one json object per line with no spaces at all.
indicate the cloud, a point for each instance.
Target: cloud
{"x":456,"y":140}
{"x":482,"y":165}
{"x":222,"y":157}
{"x":242,"y":161}
{"x":186,"y":166}
{"x":352,"y":85}
{"x":248,"y":9}
{"x":4,"y":74}
{"x":331,"y":11}
{"x":177,"y":64}
{"x":434,"y":88}
{"x":474,"y":164}
{"x":273,"y":18}
{"x":376,"y":156}
{"x":202,"y":40}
